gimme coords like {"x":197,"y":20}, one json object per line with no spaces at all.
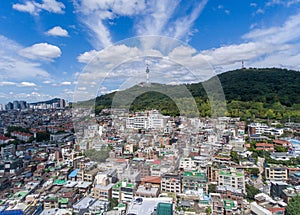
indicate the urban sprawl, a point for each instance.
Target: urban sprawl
{"x":143,"y":163}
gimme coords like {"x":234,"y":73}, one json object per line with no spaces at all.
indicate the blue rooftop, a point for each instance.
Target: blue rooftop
{"x":73,"y":173}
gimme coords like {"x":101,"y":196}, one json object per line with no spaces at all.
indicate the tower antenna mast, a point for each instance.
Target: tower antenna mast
{"x":147,"y":72}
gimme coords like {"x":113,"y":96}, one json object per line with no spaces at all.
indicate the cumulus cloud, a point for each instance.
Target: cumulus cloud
{"x":35,"y":8}
{"x":16,"y":67}
{"x":42,"y":51}
{"x":57,"y":31}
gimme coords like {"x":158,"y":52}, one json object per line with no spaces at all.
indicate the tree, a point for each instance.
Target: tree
{"x":251,"y":192}
{"x":113,"y":202}
{"x":212,"y":188}
{"x":293,"y":206}
{"x":280,"y":148}
{"x":235,"y":157}
{"x":42,"y":136}
{"x":208,"y":210}
{"x":253,"y":171}
{"x":98,"y":156}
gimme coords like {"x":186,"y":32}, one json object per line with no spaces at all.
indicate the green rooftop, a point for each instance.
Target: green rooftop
{"x":194,"y":173}
{"x":121,"y":205}
{"x":228,"y":173}
{"x":63,"y":200}
{"x":119,"y":184}
{"x":129,"y":185}
{"x":19,"y":194}
{"x":228,"y":204}
{"x":59,"y":182}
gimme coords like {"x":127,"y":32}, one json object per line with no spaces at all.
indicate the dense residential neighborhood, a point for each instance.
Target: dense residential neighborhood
{"x":144,"y":163}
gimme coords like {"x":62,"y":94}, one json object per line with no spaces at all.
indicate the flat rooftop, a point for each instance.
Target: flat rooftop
{"x":147,"y":206}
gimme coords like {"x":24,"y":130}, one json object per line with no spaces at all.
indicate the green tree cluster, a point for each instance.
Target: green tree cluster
{"x":251,"y":192}
{"x":293,"y":207}
{"x":98,"y":156}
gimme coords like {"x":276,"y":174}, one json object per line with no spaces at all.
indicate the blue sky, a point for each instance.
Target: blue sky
{"x":46,"y":45}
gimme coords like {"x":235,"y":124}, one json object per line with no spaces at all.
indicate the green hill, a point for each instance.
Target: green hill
{"x":265,"y":93}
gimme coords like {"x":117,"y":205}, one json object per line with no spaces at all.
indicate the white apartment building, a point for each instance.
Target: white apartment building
{"x":187,"y":164}
{"x":171,"y":183}
{"x":257,"y":128}
{"x":276,"y":173}
{"x":152,"y":119}
{"x":232,"y":178}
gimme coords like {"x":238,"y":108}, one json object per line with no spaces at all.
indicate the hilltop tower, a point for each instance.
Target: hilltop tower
{"x":147,"y":74}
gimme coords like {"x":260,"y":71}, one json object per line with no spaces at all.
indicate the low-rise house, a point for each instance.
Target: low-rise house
{"x":264,"y":204}
{"x":282,"y":143}
{"x":265,"y":147}
{"x":231,"y":193}
{"x":289,"y":193}
{"x":83,"y":205}
{"x":147,"y":191}
{"x":99,"y":207}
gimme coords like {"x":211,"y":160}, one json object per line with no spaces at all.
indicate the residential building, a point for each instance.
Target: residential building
{"x":265,"y":147}
{"x":187,"y":163}
{"x":232,"y":178}
{"x":171,"y":183}
{"x":147,"y":191}
{"x":193,"y":180}
{"x":123,"y":191}
{"x":228,"y":192}
{"x":275,"y":172}
{"x":277,"y":188}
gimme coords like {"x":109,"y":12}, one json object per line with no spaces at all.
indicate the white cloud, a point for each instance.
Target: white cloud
{"x":16,"y":67}
{"x":22,"y":84}
{"x":285,"y":3}
{"x":156,"y":17}
{"x":35,"y":8}
{"x":57,"y":31}
{"x":183,"y":25}
{"x":47,"y":82}
{"x":65,"y":83}
{"x":27,"y":7}
{"x":43,"y":51}
{"x":264,"y":47}
{"x":7,"y":83}
{"x":27,"y":84}
{"x":87,"y":56}
{"x":288,"y":32}
{"x":151,"y":17}
{"x":93,"y":13}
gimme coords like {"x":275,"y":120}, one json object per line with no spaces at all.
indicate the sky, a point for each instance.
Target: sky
{"x":58,"y":48}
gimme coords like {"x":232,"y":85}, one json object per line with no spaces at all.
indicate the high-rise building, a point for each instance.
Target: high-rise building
{"x":16,"y":105}
{"x":9,"y":106}
{"x":23,"y":105}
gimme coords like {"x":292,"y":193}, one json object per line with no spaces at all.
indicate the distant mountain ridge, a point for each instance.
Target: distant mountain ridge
{"x":51,"y":101}
{"x":248,"y":91}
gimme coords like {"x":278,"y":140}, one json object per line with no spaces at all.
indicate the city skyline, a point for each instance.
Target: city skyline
{"x":51,"y":42}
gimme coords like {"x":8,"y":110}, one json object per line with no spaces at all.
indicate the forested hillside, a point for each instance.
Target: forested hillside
{"x":250,"y":93}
